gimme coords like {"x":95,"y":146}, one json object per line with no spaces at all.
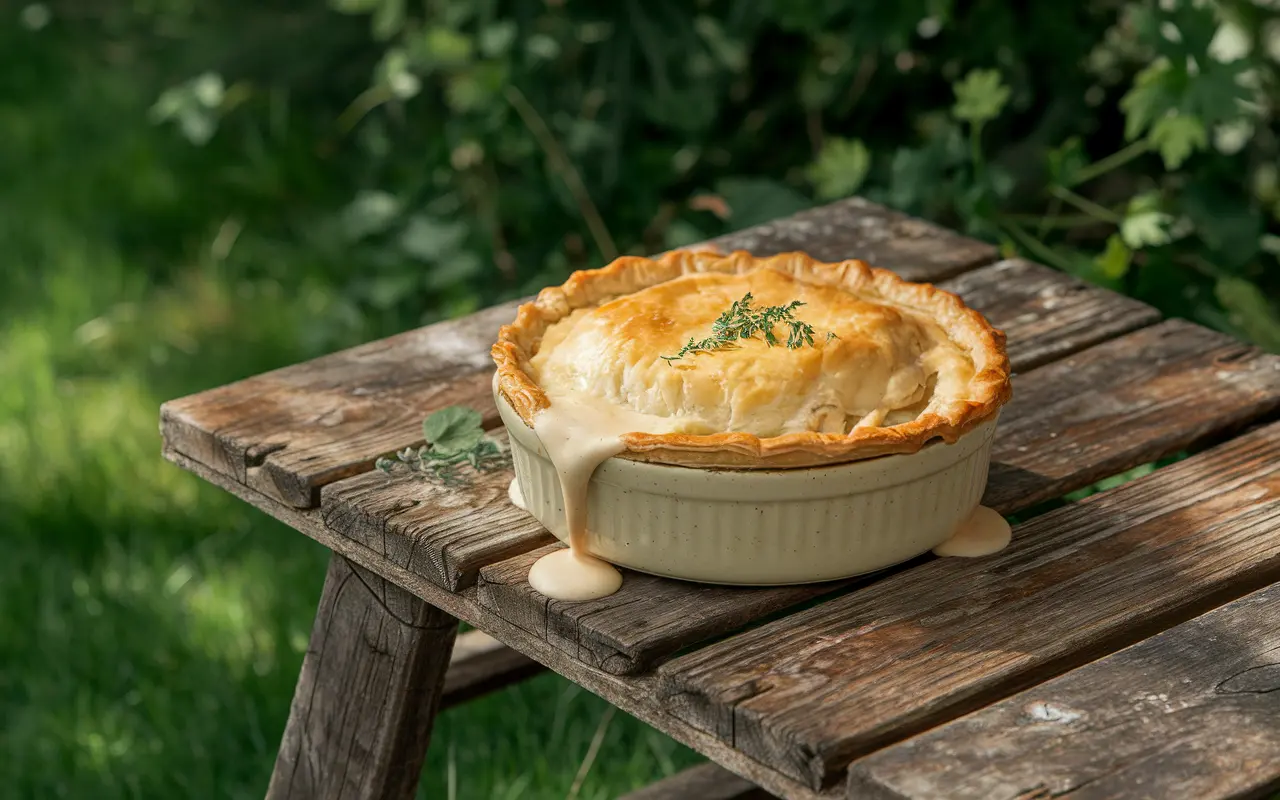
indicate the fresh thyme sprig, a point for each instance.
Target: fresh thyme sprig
{"x":741,"y":321}
{"x":454,"y":439}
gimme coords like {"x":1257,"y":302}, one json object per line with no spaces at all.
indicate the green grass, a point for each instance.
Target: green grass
{"x":153,"y":626}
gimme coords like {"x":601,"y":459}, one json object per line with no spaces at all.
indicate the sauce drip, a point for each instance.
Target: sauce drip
{"x":578,"y":433}
{"x":983,"y":533}
{"x":516,"y":496}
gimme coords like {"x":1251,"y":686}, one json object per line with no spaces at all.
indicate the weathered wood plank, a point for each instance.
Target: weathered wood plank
{"x":636,"y":696}
{"x":368,"y":693}
{"x":704,"y":782}
{"x":809,"y":693}
{"x":1126,"y":402}
{"x":857,"y":228}
{"x":481,"y":664}
{"x":1045,"y":314}
{"x":445,"y":533}
{"x":649,"y":618}
{"x":291,"y":431}
{"x":1192,"y":712}
{"x":1166,"y":387}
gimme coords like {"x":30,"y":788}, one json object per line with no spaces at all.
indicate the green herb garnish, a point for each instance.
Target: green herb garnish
{"x":742,"y":321}
{"x":455,"y":439}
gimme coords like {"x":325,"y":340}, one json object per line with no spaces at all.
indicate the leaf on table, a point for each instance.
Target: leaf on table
{"x":1177,"y":137}
{"x":840,"y":168}
{"x":452,"y":430}
{"x":980,"y":97}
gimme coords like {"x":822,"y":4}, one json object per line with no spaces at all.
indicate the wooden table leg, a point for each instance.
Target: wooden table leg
{"x":368,"y":693}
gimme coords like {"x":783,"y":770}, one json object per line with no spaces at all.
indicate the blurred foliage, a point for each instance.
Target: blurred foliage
{"x":476,"y":149}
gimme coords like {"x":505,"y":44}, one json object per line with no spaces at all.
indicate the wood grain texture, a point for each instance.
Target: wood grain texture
{"x":444,"y":533}
{"x":648,"y":619}
{"x":1046,"y":314}
{"x":636,"y":696}
{"x":1126,"y":402}
{"x":809,"y":693}
{"x":368,"y":693}
{"x":1166,"y":387}
{"x":857,"y":228}
{"x":704,"y":782}
{"x":481,"y":664}
{"x":1192,"y":712}
{"x":291,"y":431}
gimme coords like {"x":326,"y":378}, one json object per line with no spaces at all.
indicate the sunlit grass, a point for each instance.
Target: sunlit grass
{"x":153,"y":626}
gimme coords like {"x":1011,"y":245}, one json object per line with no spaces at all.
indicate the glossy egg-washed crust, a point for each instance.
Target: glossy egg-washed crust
{"x":988,"y":390}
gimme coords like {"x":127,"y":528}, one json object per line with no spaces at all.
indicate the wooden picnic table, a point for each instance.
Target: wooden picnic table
{"x":1126,"y":645}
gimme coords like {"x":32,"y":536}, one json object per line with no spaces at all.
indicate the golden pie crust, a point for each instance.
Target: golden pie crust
{"x":909,"y":364}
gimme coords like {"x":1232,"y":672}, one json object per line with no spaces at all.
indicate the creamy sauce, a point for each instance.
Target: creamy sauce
{"x":570,"y":575}
{"x":516,"y":496}
{"x":983,"y":533}
{"x":578,"y":432}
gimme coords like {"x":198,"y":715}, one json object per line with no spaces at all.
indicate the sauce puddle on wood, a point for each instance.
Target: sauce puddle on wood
{"x":578,"y":434}
{"x":985,"y":532}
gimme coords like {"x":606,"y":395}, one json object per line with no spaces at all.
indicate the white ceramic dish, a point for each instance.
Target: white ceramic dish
{"x":764,"y":527}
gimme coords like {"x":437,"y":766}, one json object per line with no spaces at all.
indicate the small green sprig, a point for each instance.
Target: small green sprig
{"x":455,"y":439}
{"x":741,"y":321}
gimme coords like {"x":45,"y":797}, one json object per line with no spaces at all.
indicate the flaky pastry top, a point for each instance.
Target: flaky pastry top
{"x":893,"y":365}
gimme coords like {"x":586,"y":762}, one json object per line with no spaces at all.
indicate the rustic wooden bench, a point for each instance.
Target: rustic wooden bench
{"x":1124,"y":645}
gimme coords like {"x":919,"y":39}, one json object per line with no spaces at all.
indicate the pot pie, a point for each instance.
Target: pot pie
{"x":718,"y":366}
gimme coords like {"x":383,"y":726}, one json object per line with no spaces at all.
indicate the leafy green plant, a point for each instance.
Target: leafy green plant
{"x":454,"y":439}
{"x":489,"y":148}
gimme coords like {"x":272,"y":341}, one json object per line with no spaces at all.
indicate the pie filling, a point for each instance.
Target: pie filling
{"x":642,"y":364}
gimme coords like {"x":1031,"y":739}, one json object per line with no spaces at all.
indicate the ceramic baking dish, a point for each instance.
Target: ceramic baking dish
{"x":763,"y":527}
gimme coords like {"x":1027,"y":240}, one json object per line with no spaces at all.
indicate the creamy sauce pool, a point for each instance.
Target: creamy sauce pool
{"x":983,"y":533}
{"x":578,"y":434}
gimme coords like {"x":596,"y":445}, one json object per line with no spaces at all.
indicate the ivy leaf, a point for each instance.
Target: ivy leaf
{"x":840,"y":168}
{"x":369,"y":213}
{"x":1249,"y":311}
{"x":453,"y":430}
{"x":355,"y":6}
{"x":1215,"y":93}
{"x":1176,"y":137}
{"x":1144,"y":224}
{"x":1114,"y":261}
{"x":1066,"y":161}
{"x":980,"y":97}
{"x":753,"y":201}
{"x":1156,"y":91}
